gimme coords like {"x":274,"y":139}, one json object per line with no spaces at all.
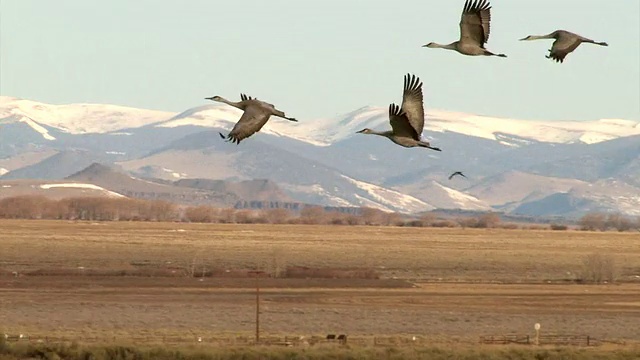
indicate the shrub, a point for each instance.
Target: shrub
{"x":559,"y":227}
{"x":488,"y":220}
{"x":598,"y":268}
{"x":444,"y":224}
{"x":303,"y":272}
{"x":466,"y":222}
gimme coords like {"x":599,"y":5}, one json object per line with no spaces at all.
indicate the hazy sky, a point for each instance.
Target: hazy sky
{"x":317,"y":59}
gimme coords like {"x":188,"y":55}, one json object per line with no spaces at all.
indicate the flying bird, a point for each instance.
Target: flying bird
{"x":456,"y":173}
{"x":407,"y":121}
{"x":566,"y":42}
{"x":475,"y":27}
{"x":256,"y":114}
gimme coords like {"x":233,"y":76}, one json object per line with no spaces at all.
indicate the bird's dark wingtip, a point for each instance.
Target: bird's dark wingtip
{"x":221,"y":135}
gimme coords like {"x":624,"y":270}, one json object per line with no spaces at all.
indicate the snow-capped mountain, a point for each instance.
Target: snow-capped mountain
{"x":327,"y":131}
{"x":75,"y":118}
{"x":509,"y":162}
{"x":99,"y":118}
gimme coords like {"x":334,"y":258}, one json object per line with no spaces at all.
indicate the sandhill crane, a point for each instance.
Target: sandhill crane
{"x":475,"y":27}
{"x":566,"y":42}
{"x":256,"y":114}
{"x":406,"y":122}
{"x":456,"y":173}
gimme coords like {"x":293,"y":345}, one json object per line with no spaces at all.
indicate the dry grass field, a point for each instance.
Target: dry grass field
{"x":115,"y":279}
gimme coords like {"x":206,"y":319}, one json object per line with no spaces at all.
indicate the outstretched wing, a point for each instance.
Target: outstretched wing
{"x":564,"y":44}
{"x":475,"y":23}
{"x":400,"y":123}
{"x":412,"y":102}
{"x":251,"y":121}
{"x":244,"y":97}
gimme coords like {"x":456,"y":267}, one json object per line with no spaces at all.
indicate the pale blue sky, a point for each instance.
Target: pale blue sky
{"x":317,"y":59}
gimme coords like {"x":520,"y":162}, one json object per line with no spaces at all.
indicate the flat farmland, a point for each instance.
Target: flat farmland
{"x":117,"y":279}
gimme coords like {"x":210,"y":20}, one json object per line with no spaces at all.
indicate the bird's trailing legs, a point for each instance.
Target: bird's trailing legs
{"x":487,"y":52}
{"x":428,"y":146}
{"x":281,"y":114}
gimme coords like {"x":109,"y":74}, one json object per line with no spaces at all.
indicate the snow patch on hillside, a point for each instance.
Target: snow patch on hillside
{"x":390,"y":199}
{"x":81,"y":186}
{"x":462,"y":200}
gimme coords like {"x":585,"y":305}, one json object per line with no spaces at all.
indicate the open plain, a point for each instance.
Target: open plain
{"x":151,"y":281}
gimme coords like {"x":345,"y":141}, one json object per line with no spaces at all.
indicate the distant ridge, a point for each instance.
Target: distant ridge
{"x":513,"y":166}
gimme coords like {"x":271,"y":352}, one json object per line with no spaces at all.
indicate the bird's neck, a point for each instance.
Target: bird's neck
{"x":232,"y":103}
{"x":382,"y":133}
{"x":540,"y":37}
{"x":451,"y":46}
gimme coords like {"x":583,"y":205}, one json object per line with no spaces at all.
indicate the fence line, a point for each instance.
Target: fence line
{"x":551,"y":339}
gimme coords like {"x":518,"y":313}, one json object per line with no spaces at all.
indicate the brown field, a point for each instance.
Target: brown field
{"x":144,"y":281}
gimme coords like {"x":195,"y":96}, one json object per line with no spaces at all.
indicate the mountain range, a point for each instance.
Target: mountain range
{"x":522,"y":167}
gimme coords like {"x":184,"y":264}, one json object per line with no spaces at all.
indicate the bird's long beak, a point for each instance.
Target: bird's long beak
{"x":209,"y":98}
{"x":524,"y":38}
{"x":359,"y":132}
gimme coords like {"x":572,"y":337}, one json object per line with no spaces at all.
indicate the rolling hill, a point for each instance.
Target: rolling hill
{"x":516,"y":166}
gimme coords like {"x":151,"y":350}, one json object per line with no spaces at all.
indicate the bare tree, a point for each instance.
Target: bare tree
{"x":599,"y":268}
{"x":428,"y":219}
{"x":488,"y":220}
{"x":202,"y":214}
{"x":312,"y":215}
{"x":619,"y":222}
{"x":371,"y":216}
{"x":277,"y":216}
{"x":593,"y":222}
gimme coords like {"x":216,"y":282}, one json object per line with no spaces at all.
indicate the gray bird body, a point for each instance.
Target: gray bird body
{"x":407,"y":122}
{"x":255,"y":115}
{"x":565,"y":43}
{"x":475,"y":28}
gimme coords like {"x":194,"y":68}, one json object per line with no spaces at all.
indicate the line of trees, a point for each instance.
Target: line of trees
{"x":86,"y":208}
{"x":606,"y":222}
{"x":127,"y":209}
